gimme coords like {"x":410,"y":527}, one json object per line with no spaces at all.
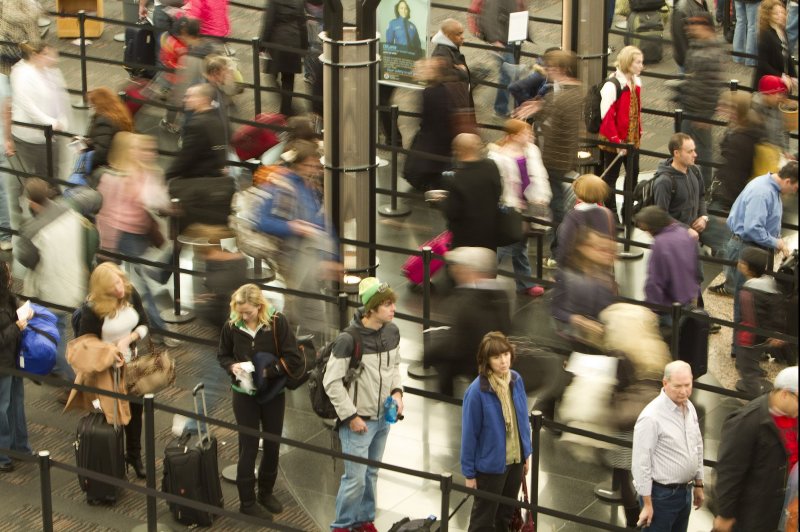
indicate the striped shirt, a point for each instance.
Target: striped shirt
{"x":667,"y":445}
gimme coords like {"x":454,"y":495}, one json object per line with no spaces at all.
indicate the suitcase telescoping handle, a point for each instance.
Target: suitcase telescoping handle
{"x":202,"y":389}
{"x":115,"y":373}
{"x":610,"y":165}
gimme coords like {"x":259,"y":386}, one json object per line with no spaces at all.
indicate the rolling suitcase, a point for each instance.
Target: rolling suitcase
{"x":191,"y":471}
{"x":647,"y":24}
{"x":139,"y":52}
{"x":250,"y":142}
{"x":413,"y":268}
{"x":693,"y":342}
{"x":133,"y":95}
{"x":100,"y":447}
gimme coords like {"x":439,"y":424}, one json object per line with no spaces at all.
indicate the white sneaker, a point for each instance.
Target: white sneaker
{"x":5,"y":245}
{"x":550,"y":263}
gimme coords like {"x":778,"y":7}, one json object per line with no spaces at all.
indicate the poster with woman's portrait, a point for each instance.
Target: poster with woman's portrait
{"x":403,"y":25}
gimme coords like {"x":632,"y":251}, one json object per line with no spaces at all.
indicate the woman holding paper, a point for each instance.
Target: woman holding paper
{"x":13,"y":427}
{"x":256,"y":335}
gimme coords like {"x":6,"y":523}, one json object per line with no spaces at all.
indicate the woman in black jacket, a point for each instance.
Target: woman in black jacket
{"x":13,"y":427}
{"x":284,"y":23}
{"x":254,"y":330}
{"x":114,"y":313}
{"x":110,"y":117}
{"x":774,"y":56}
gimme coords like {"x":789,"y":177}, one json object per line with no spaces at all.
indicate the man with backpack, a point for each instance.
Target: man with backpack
{"x":362,"y":372}
{"x":57,"y":247}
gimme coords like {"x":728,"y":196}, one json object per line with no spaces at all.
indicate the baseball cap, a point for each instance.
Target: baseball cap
{"x":372,"y":292}
{"x":478,"y":259}
{"x":786,"y":380}
{"x":771,"y":85}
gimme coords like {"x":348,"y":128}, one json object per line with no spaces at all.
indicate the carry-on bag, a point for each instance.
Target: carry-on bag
{"x":204,"y":200}
{"x":100,"y":447}
{"x":413,"y":267}
{"x":140,"y":50}
{"x":647,"y":24}
{"x":250,"y":142}
{"x":693,"y":342}
{"x":191,"y":470}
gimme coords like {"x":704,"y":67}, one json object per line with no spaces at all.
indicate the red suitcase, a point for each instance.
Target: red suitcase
{"x":250,"y":142}
{"x":413,"y":267}
{"x":134,"y":96}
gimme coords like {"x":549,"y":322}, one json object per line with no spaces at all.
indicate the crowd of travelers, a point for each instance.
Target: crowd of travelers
{"x":118,"y":202}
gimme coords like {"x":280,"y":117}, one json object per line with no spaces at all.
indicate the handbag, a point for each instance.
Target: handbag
{"x":154,"y":233}
{"x":518,"y":523}
{"x":150,"y":373}
{"x":509,"y":226}
{"x":306,"y":350}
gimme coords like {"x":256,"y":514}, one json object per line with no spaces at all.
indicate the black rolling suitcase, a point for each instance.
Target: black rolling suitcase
{"x":140,"y":51}
{"x":647,"y":24}
{"x":693,"y":342}
{"x":100,"y":447}
{"x":191,"y":471}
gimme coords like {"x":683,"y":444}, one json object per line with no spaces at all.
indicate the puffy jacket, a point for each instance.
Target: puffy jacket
{"x":616,"y":111}
{"x":483,"y":431}
{"x":377,"y":377}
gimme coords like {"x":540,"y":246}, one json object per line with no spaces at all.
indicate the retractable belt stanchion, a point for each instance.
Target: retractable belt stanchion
{"x":392,"y":210}
{"x":419,"y":370}
{"x":176,"y":314}
{"x":152,"y":524}
{"x":46,"y":491}
{"x":627,"y":207}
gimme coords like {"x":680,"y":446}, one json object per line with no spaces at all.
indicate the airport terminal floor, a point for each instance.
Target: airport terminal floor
{"x":428,"y":439}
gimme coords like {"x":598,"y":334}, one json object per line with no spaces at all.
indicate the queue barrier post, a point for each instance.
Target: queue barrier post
{"x":537,"y":421}
{"x":342,"y":302}
{"x":176,"y":314}
{"x":48,"y":142}
{"x":420,"y":370}
{"x":674,"y":342}
{"x":734,"y":85}
{"x":254,"y":44}
{"x":392,"y":210}
{"x":446,"y":485}
{"x":678,"y":120}
{"x":82,"y":47}
{"x":47,"y":491}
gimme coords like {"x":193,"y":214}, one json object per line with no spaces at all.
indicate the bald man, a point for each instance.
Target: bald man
{"x":448,"y":43}
{"x":471,"y":206}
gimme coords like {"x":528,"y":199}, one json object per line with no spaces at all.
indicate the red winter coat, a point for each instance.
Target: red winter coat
{"x":614,"y":126}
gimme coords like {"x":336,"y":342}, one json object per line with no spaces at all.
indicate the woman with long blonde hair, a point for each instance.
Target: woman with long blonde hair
{"x":113,"y":313}
{"x":254,"y":331}
{"x":131,"y":186}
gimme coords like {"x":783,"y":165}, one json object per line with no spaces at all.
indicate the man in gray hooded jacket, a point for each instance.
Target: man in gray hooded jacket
{"x":362,"y":426}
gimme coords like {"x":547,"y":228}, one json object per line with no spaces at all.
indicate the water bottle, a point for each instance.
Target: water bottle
{"x":390,"y":410}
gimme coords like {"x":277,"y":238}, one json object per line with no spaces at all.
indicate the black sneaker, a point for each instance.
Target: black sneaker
{"x":720,"y":290}
{"x":270,"y":502}
{"x":255,"y":510}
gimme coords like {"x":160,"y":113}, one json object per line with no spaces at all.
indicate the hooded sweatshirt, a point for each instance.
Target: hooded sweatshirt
{"x":687,"y":203}
{"x":376,"y":377}
{"x":446,"y":49}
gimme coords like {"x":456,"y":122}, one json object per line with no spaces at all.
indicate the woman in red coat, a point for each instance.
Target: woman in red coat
{"x":621,"y":112}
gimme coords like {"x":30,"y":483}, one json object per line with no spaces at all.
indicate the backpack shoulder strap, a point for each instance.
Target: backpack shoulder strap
{"x":613,"y":79}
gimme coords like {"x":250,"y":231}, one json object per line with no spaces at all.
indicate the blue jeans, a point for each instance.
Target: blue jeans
{"x":732,"y":251}
{"x":135,"y":245}
{"x":671,"y":509}
{"x":501,"y":100}
{"x":520,"y":262}
{"x":791,"y":26}
{"x":13,"y":428}
{"x":355,"y":502}
{"x":744,"y":35}
{"x":62,"y":368}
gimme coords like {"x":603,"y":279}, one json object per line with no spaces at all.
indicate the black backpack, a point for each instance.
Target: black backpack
{"x":591,"y":107}
{"x":320,"y":402}
{"x":643,"y":195}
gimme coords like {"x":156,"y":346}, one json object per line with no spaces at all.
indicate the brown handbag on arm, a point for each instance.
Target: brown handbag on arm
{"x":150,"y":373}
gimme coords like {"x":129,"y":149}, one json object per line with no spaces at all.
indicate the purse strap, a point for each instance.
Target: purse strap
{"x":278,"y":350}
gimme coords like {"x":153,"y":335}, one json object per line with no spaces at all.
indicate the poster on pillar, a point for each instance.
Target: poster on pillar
{"x":403,"y":27}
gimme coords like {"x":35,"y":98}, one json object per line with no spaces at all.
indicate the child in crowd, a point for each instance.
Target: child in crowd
{"x":761,"y":300}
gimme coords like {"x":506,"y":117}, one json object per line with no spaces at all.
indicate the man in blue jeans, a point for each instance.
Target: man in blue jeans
{"x":494,"y":20}
{"x":358,"y":395}
{"x":667,"y":463}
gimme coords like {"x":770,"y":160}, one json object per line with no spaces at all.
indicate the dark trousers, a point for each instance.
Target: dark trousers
{"x":385,"y":93}
{"x":489,"y":516}
{"x":133,"y":432}
{"x":287,"y":87}
{"x":612,"y":174}
{"x":557,"y":207}
{"x":269,"y":418}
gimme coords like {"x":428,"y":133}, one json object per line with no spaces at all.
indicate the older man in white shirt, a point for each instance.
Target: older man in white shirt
{"x":667,"y":461}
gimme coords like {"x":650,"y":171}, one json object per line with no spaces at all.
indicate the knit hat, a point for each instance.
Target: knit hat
{"x":787,"y":379}
{"x":771,"y":85}
{"x":372,"y":293}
